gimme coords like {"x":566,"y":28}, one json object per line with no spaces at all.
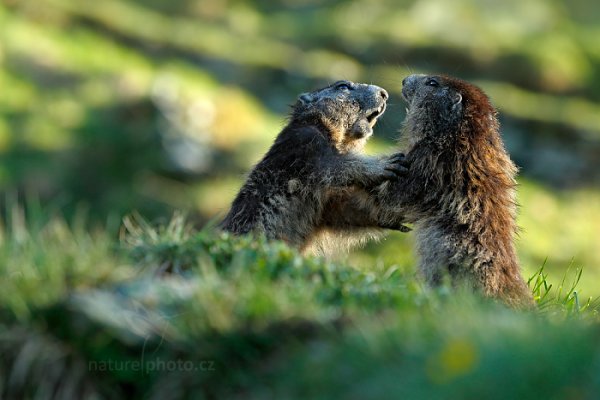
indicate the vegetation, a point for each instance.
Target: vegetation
{"x":119,"y":106}
{"x":171,"y":312}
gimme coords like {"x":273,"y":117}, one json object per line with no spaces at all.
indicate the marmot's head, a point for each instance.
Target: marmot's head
{"x":348,"y":110}
{"x":442,"y":108}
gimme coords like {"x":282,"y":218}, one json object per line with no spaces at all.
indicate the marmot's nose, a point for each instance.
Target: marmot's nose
{"x":411,"y":79}
{"x":384,"y":94}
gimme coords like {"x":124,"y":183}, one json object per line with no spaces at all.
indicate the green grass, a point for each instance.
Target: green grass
{"x":169,"y":311}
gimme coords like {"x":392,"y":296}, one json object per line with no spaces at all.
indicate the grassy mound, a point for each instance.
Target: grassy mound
{"x":171,"y":312}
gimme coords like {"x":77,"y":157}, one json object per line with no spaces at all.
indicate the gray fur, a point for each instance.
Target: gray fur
{"x":316,"y":156}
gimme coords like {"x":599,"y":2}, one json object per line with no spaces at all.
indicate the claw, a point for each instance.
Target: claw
{"x":399,"y":158}
{"x":397,"y":169}
{"x":398,"y":227}
{"x":390,"y":174}
{"x":404,"y":228}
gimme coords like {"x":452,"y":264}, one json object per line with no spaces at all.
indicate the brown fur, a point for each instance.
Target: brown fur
{"x":459,"y":191}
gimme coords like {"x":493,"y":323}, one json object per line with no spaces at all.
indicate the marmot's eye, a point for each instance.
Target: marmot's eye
{"x":432,"y":82}
{"x":343,"y":86}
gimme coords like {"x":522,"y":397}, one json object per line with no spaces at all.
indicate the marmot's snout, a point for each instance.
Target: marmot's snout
{"x":382,"y":93}
{"x":378,"y":103}
{"x":409,"y":86}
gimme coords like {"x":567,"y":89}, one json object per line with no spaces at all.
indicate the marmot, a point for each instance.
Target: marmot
{"x":315,"y":156}
{"x":459,"y":190}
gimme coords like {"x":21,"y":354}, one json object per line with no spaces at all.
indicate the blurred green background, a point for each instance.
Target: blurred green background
{"x":111,"y":106}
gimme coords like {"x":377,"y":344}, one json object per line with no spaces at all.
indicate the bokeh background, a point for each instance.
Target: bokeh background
{"x":112,"y":106}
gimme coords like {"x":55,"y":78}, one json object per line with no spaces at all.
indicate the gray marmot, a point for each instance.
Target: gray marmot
{"x":459,"y":190}
{"x":314,"y":158}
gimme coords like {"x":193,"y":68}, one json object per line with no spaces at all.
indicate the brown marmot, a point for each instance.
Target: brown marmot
{"x":459,"y":190}
{"x":316,"y":156}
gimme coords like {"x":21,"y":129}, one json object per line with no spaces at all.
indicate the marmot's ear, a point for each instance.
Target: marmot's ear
{"x":305,"y":98}
{"x":457,"y":98}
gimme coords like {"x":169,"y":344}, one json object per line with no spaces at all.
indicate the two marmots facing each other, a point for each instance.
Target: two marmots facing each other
{"x":315,"y":158}
{"x":459,"y":190}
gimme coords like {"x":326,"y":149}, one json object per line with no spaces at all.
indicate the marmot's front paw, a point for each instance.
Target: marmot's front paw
{"x":397,"y":164}
{"x":388,"y":172}
{"x":396,"y":227}
{"x":387,"y":169}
